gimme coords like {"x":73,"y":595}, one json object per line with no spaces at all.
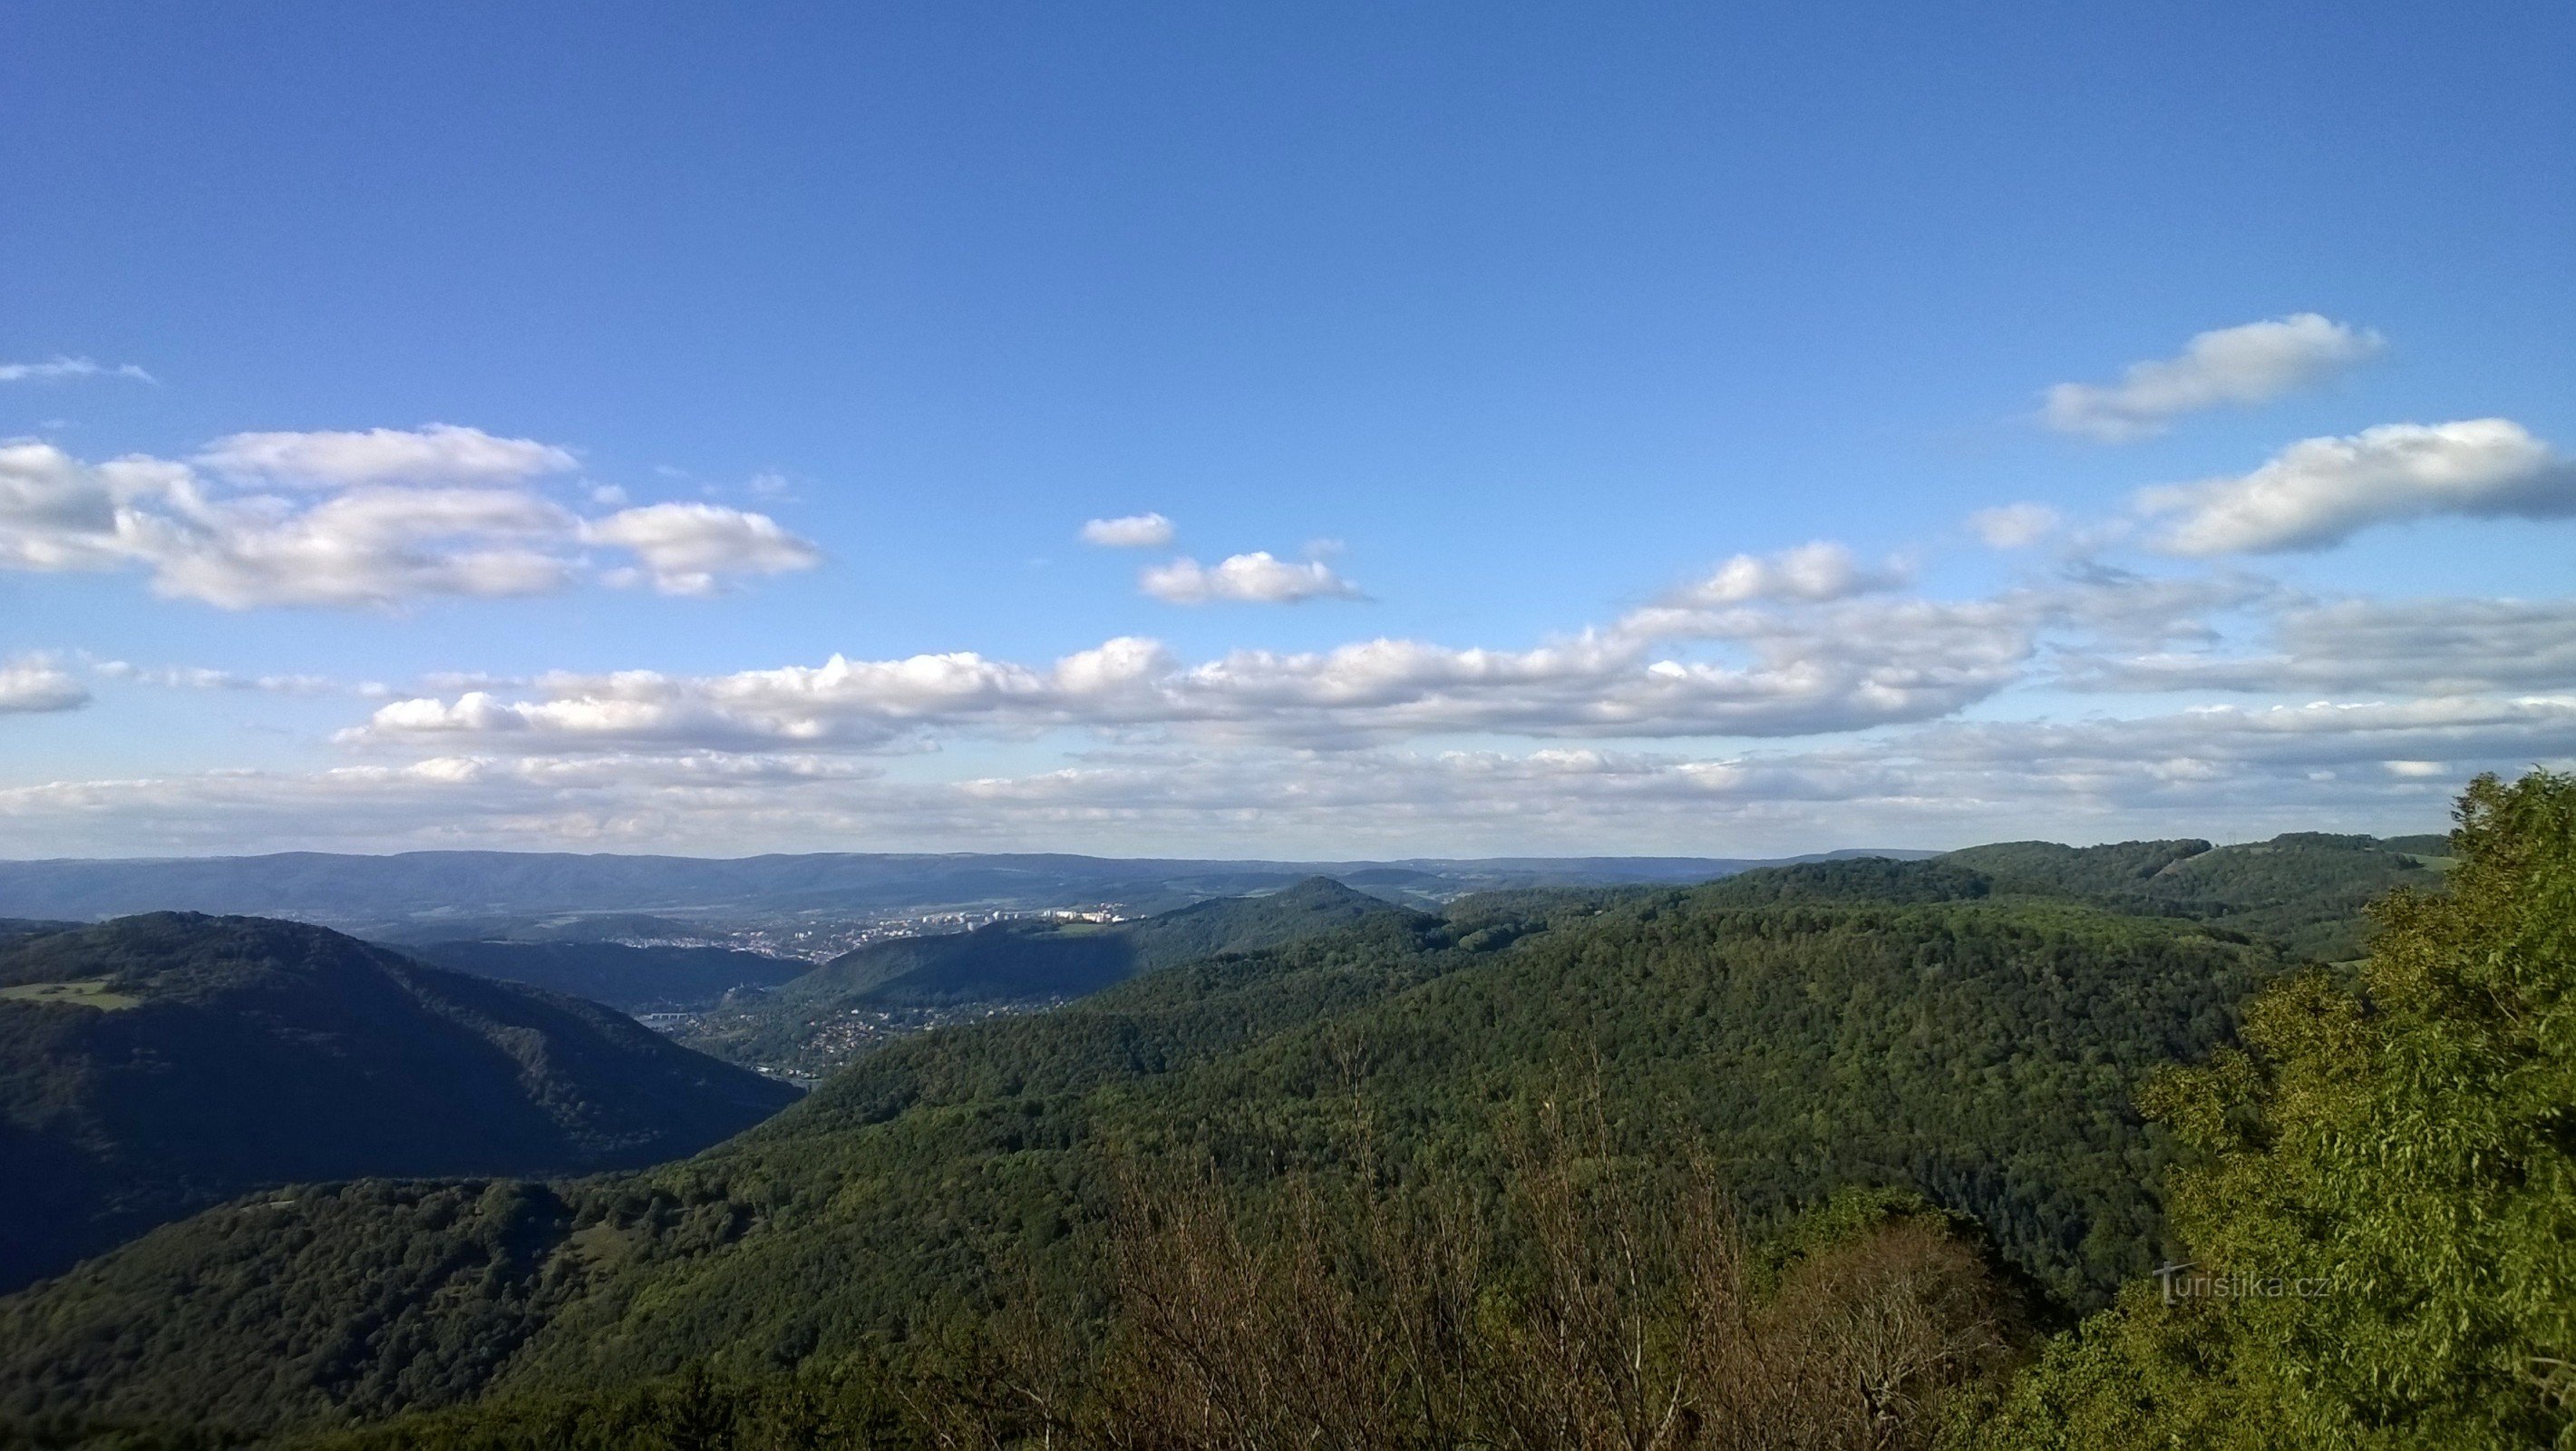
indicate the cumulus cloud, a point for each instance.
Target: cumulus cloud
{"x":2015,"y":526}
{"x":60,"y":368}
{"x":1809,"y":573}
{"x":436,"y":453}
{"x":685,"y":549}
{"x":2225,"y":773}
{"x":1869,"y":664}
{"x":1752,"y":670}
{"x":31,"y":684}
{"x":1255,"y":578}
{"x":2321,"y":491}
{"x":348,"y":545}
{"x":2239,"y":365}
{"x":1132,"y":531}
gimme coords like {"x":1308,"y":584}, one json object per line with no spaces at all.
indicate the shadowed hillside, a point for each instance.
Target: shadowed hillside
{"x":156,"y":1064}
{"x":629,"y":979}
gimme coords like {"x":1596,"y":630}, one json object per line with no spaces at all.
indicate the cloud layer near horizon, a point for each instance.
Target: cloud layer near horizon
{"x":2126,"y":680}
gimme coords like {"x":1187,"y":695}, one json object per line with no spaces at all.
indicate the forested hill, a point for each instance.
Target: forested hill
{"x":1870,"y":1023}
{"x":1043,"y":959}
{"x":2304,"y":889}
{"x":629,"y":978}
{"x":1027,"y":961}
{"x":152,"y":1065}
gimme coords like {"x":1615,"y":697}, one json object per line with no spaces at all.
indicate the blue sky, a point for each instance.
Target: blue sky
{"x":1482,"y":337}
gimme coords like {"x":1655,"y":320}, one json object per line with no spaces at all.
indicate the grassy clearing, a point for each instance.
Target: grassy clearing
{"x":90,"y":993}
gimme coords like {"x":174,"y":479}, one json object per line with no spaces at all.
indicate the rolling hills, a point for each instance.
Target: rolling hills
{"x":418,"y":896}
{"x":154,"y":1065}
{"x":2303,"y":889}
{"x":1022,"y":961}
{"x":1870,"y":1023}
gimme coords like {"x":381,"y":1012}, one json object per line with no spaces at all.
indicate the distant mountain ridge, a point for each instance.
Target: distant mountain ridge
{"x":465,"y":887}
{"x":153,"y":1065}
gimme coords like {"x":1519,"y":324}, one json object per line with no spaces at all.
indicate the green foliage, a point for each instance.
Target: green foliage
{"x":2305,"y":890}
{"x":1023,"y":961}
{"x":248,"y":1052}
{"x":87,"y":993}
{"x":1604,"y":1297}
{"x":2396,"y":1166}
{"x":1979,"y":1053}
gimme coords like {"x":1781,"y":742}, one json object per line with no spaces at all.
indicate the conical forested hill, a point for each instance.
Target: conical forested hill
{"x":153,"y":1065}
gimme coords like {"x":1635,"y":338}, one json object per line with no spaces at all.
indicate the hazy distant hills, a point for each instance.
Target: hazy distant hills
{"x":411,"y":894}
{"x":1869,"y":1022}
{"x":156,"y":1064}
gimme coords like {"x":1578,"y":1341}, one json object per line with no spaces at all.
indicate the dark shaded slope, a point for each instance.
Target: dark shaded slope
{"x":630,"y":979}
{"x":186,"y":1059}
{"x":1981,"y":1050}
{"x":1005,"y":961}
{"x":854,"y":1209}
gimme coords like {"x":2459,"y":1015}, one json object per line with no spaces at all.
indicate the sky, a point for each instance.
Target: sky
{"x":1327,"y":431}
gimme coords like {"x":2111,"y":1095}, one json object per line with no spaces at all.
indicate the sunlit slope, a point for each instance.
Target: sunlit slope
{"x":2305,"y":889}
{"x":1810,"y":1030}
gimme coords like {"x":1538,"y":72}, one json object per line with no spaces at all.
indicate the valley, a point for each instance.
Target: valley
{"x":1966,"y":1035}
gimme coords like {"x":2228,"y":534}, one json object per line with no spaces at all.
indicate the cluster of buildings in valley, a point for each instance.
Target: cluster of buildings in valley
{"x":823,"y":940}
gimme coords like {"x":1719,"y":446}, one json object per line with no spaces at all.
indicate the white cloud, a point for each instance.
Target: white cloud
{"x":2015,"y":526}
{"x":2226,"y":774}
{"x":1801,"y":669}
{"x":2239,"y":365}
{"x":2395,"y":647}
{"x":2321,"y":491}
{"x":34,"y":683}
{"x":61,"y":368}
{"x":1134,"y":531}
{"x":198,"y":677}
{"x":1255,"y":578}
{"x":1864,"y":665}
{"x":436,"y":453}
{"x":357,"y":545}
{"x":686,"y":548}
{"x":367,"y":547}
{"x":1809,"y":574}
